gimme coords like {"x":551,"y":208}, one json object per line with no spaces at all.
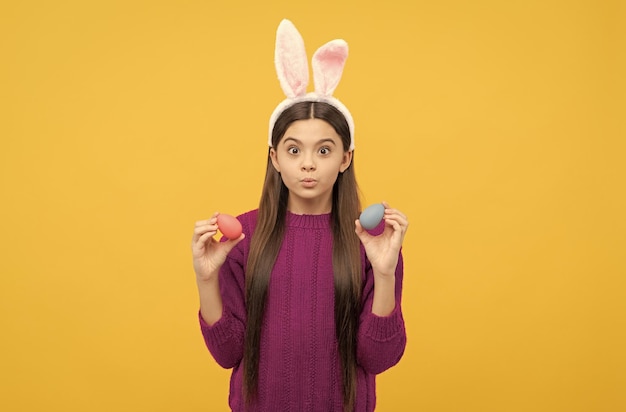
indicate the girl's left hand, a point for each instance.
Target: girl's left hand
{"x":383,"y":250}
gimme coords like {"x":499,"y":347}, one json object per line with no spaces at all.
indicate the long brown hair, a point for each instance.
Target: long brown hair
{"x":267,"y":239}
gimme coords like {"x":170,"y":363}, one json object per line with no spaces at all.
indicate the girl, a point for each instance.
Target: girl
{"x":305,"y":304}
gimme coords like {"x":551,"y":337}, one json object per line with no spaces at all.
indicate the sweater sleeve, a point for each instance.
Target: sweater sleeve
{"x":381,"y":340}
{"x":225,"y":338}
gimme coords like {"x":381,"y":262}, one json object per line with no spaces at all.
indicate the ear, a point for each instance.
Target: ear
{"x":347,"y":159}
{"x":290,"y":59}
{"x":328,"y":62}
{"x":274,"y":158}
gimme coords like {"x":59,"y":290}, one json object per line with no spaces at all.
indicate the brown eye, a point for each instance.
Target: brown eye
{"x":293,"y":150}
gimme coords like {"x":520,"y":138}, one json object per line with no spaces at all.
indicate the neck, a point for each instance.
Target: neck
{"x":316,"y":206}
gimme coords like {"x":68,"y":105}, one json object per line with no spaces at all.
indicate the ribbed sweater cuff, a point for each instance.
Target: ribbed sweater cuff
{"x":384,"y":328}
{"x":217,"y":333}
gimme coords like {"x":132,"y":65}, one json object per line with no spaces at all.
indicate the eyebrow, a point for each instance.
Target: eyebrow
{"x":327,"y":140}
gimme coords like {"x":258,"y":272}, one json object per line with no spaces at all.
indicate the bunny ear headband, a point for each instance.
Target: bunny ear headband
{"x":293,"y":73}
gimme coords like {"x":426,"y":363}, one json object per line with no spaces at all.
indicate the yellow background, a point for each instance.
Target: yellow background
{"x":496,"y":126}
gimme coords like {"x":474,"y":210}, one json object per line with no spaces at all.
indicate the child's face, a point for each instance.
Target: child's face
{"x":309,"y":157}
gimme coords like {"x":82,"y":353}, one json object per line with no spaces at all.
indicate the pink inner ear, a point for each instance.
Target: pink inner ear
{"x":328,"y":63}
{"x":293,"y":79}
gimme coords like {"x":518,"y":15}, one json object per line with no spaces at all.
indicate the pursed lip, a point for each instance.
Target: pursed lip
{"x":308,"y":182}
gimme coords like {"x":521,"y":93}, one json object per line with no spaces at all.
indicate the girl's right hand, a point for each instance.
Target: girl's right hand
{"x":209,"y":254}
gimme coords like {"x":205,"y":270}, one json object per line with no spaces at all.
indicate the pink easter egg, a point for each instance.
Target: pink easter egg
{"x":229,"y":226}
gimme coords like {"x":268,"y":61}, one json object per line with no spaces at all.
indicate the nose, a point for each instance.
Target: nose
{"x":308,"y":164}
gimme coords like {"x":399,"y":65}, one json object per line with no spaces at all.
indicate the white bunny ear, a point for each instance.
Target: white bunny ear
{"x":291,"y":61}
{"x":328,"y":62}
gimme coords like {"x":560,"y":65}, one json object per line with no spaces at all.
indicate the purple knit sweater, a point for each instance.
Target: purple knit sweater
{"x":299,"y":367}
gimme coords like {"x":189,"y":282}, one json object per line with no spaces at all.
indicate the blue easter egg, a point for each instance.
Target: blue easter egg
{"x":372,"y":215}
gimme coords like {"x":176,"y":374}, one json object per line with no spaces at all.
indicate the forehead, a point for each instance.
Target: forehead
{"x":311,"y":131}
